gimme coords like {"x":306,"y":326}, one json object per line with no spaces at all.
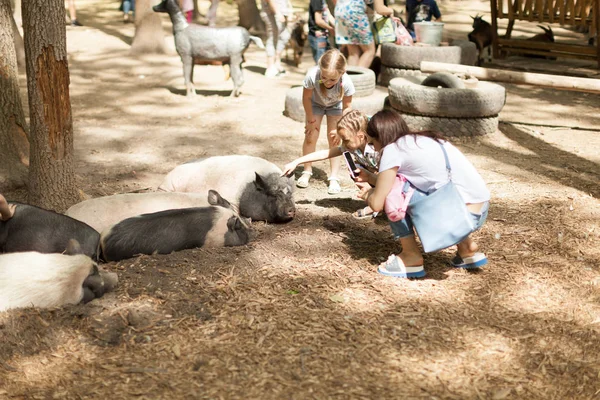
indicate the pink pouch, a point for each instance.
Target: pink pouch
{"x":403,"y":38}
{"x":397,"y":200}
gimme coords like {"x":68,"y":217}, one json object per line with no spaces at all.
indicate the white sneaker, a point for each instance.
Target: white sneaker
{"x":271,"y":72}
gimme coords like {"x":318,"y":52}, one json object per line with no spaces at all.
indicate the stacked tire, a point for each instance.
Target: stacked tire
{"x":467,"y":111}
{"x":367,"y":97}
{"x":399,"y":61}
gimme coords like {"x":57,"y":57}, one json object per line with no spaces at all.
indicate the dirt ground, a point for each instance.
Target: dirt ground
{"x":301,"y":312}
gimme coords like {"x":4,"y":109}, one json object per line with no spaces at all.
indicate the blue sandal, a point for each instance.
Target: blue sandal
{"x":396,"y":268}
{"x":475,"y":261}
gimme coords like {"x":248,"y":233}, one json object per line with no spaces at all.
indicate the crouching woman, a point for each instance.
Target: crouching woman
{"x":423,"y":159}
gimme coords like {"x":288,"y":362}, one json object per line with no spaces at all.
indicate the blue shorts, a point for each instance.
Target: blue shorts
{"x":405,"y":228}
{"x":318,"y":109}
{"x":318,"y":46}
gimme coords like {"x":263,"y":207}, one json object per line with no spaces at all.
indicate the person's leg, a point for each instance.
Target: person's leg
{"x":313,"y":41}
{"x":212,"y":13}
{"x":468,"y":255}
{"x":271,"y":29}
{"x":322,"y":47}
{"x":333,"y":141}
{"x":367,"y":56}
{"x":126,"y":9}
{"x":282,"y":41}
{"x":310,"y":141}
{"x":353,"y":54}
{"x":73,"y":14}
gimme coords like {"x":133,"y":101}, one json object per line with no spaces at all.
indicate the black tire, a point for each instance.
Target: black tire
{"x":410,"y":57}
{"x":452,"y":127}
{"x":445,"y":80}
{"x":409,"y":96}
{"x":389,"y":73}
{"x":363,"y":80}
{"x":369,"y":105}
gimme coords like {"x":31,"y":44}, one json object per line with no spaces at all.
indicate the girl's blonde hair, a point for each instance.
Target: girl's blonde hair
{"x":353,"y":122}
{"x":332,"y":61}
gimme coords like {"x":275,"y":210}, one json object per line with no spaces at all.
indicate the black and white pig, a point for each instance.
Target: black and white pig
{"x":172,"y":230}
{"x":252,"y":184}
{"x":28,"y":228}
{"x":51,"y":280}
{"x":103,"y":212}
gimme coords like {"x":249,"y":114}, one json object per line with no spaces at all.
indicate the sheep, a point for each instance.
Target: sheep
{"x":196,"y":43}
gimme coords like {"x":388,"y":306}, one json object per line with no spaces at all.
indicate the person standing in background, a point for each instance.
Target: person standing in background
{"x":320,"y":26}
{"x":128,"y":6}
{"x":73,"y":14}
{"x":275,"y":14}
{"x":353,"y":29}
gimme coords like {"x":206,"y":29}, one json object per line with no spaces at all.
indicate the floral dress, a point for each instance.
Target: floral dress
{"x":352,"y":25}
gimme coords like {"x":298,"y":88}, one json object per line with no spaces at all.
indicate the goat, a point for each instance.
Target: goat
{"x":546,"y":37}
{"x":297,"y":40}
{"x":481,"y":36}
{"x":196,"y":43}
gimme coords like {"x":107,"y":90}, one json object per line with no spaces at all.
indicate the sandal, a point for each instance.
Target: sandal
{"x":362,"y":213}
{"x":396,"y":268}
{"x":334,"y":186}
{"x":475,"y":261}
{"x":303,"y":180}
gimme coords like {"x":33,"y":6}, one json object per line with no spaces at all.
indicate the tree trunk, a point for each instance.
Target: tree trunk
{"x":250,"y":16}
{"x":51,"y":170}
{"x":14,"y":141}
{"x":16,"y":22}
{"x":149,"y":36}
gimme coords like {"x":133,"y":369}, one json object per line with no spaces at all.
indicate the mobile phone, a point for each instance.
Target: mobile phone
{"x":350,"y":163}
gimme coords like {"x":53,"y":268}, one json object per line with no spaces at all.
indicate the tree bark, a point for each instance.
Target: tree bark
{"x":51,"y":170}
{"x":149,"y":37}
{"x":14,"y":140}
{"x":250,"y":16}
{"x":16,"y":21}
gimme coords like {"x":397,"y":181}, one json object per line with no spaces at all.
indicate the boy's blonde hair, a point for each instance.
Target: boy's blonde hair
{"x":353,"y":121}
{"x":333,"y":61}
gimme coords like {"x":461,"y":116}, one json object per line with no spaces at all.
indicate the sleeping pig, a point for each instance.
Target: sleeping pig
{"x":51,"y":280}
{"x":28,"y":228}
{"x":252,"y":184}
{"x":103,"y":212}
{"x":173,"y":230}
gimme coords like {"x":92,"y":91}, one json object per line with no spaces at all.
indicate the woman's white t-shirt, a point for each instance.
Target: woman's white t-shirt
{"x":421,"y":160}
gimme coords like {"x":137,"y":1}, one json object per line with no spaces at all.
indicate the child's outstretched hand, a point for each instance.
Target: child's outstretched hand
{"x":289,"y":168}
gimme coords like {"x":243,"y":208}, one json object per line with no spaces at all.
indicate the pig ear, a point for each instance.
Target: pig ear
{"x":215,"y":199}
{"x":73,"y":248}
{"x":259,"y":182}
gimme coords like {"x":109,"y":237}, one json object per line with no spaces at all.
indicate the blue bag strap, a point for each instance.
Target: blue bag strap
{"x":448,"y":169}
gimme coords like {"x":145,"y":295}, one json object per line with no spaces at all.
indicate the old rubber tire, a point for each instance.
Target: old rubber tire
{"x":445,"y":80}
{"x":407,"y":95}
{"x":363,"y":80}
{"x":389,"y":73}
{"x":469,"y":53}
{"x":410,"y":57}
{"x":452,"y":127}
{"x":369,"y":105}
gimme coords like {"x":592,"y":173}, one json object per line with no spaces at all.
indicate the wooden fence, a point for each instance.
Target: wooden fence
{"x":564,"y":12}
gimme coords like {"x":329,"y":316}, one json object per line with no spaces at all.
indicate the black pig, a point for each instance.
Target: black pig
{"x":172,"y":230}
{"x":28,"y":228}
